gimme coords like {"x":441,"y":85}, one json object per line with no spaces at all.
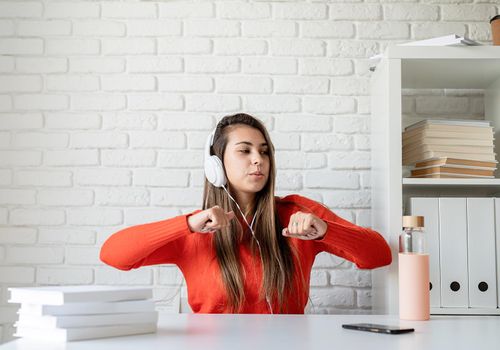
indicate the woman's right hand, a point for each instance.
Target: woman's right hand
{"x":210,"y":220}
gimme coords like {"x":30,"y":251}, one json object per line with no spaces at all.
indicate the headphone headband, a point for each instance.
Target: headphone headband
{"x":209,"y":143}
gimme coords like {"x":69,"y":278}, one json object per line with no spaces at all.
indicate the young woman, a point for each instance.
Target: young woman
{"x":246,"y":251}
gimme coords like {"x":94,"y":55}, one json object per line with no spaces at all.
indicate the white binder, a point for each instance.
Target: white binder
{"x":481,"y":252}
{"x":497,"y":227}
{"x":429,"y":209}
{"x":453,"y":252}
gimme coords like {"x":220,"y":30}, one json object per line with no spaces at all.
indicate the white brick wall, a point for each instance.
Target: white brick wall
{"x":105,"y":106}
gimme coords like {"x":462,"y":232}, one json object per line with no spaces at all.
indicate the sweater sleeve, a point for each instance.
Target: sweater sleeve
{"x":362,"y":246}
{"x":160,"y":242}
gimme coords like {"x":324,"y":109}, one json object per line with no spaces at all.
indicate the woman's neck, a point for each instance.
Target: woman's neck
{"x":246,"y":201}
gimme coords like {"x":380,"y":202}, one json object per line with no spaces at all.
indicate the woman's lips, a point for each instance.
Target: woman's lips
{"x":257,"y":175}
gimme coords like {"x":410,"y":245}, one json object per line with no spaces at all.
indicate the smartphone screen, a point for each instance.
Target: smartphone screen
{"x":377,"y":328}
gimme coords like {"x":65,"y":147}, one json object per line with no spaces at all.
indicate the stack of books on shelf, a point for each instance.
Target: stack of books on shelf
{"x":66,"y":313}
{"x":441,"y":148}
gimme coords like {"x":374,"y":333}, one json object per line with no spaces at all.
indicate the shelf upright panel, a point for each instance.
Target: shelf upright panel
{"x":492,"y":112}
{"x":386,"y":172}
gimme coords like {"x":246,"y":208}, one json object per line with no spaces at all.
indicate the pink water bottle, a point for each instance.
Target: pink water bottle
{"x":414,"y":292}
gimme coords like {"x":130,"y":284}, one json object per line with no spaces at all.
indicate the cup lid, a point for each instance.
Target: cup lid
{"x":494,"y":18}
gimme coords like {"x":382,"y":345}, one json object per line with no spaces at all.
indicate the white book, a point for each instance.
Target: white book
{"x":446,"y":40}
{"x":425,"y":140}
{"x":449,"y":175}
{"x":59,"y":295}
{"x":69,"y":334}
{"x":415,"y":158}
{"x":86,"y":308}
{"x":448,"y":148}
{"x":444,"y":167}
{"x":71,"y":321}
{"x":454,"y":122}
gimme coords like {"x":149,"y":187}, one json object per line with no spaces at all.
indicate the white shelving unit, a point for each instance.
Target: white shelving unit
{"x":407,"y":67}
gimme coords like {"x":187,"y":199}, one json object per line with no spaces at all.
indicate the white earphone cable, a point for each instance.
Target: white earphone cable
{"x":255,"y":238}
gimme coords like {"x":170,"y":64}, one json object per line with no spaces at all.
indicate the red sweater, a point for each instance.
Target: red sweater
{"x":171,"y":242}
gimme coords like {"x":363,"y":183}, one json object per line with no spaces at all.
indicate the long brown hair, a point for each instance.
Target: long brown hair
{"x":278,"y":255}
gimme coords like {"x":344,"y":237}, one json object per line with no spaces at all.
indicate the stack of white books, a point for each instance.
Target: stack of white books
{"x":66,"y":313}
{"x":450,"y":148}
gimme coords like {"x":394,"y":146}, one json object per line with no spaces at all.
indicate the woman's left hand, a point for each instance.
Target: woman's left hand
{"x":305,"y":226}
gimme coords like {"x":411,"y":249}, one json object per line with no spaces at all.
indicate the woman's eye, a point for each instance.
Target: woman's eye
{"x":248,"y":151}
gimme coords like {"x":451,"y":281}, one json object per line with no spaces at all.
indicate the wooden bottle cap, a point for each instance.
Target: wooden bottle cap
{"x":413,"y":221}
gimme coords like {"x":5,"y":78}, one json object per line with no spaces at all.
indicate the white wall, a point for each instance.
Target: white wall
{"x":105,"y":106}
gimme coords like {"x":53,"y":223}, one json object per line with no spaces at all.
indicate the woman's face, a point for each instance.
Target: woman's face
{"x":246,"y":159}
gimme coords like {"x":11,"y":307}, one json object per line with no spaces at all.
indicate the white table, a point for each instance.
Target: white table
{"x":242,"y":332}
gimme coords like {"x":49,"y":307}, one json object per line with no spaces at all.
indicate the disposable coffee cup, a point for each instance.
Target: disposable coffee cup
{"x":495,"y":29}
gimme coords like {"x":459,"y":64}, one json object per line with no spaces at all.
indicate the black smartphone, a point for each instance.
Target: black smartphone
{"x":377,"y":328}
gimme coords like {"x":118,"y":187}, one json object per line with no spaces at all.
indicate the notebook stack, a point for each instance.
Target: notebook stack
{"x":66,"y":313}
{"x":439,"y":148}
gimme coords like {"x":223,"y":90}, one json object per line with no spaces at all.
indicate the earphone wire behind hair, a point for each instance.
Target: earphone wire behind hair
{"x":214,"y":172}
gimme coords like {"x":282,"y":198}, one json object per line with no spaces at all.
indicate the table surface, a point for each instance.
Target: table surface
{"x":242,"y":332}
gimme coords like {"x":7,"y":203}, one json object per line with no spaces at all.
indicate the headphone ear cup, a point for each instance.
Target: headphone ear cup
{"x":214,"y":171}
{"x":219,"y":170}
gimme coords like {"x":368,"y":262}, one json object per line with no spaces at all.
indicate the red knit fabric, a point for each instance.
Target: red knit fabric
{"x":171,"y":242}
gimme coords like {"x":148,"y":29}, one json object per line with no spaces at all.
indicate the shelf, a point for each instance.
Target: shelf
{"x":451,"y":182}
{"x":451,"y":187}
{"x":443,"y":52}
{"x":452,"y":67}
{"x":449,"y":74}
{"x":406,"y":67}
{"x":465,"y":311}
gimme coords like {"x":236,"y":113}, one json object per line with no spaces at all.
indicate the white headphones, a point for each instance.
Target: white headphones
{"x":214,"y":170}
